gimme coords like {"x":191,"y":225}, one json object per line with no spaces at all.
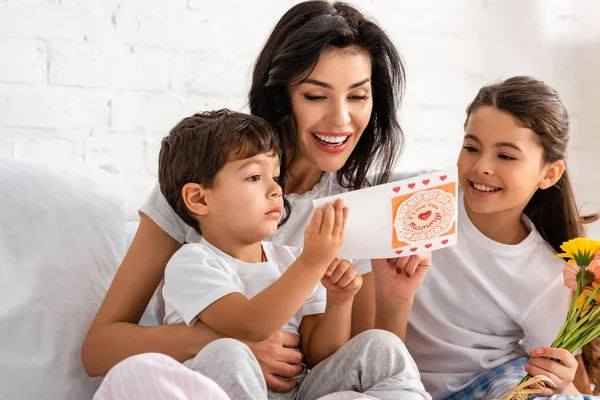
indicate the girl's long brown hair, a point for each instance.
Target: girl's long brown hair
{"x":553,"y":211}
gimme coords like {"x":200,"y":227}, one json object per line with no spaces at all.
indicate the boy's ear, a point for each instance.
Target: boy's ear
{"x":554,"y":172}
{"x":194,"y":197}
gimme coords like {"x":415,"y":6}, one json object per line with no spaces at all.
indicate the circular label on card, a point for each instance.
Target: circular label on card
{"x":424,"y":215}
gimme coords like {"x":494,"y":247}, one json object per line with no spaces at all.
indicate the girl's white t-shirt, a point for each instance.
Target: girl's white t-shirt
{"x":479,"y":299}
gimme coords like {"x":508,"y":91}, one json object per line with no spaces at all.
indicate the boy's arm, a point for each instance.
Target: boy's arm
{"x":237,"y":317}
{"x":324,"y":334}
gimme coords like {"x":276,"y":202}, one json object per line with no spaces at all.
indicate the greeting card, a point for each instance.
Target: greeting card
{"x":400,"y":218}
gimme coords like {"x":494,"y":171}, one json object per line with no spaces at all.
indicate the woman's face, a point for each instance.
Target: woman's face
{"x":332,"y":107}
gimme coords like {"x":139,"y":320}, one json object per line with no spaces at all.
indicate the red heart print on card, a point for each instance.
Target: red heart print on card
{"x":425,"y":215}
{"x":398,"y":251}
{"x":414,"y":249}
{"x":443,"y":177}
{"x":396,"y":189}
{"x":445,"y":241}
{"x":426,"y":181}
{"x":411,"y":185}
{"x":428,"y":245}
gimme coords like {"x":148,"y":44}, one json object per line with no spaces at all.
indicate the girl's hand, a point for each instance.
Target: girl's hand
{"x":397,"y":279}
{"x":278,"y":357}
{"x":561,"y":372}
{"x":341,"y":280}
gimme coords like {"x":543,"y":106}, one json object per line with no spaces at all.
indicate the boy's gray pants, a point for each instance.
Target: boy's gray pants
{"x":375,"y":363}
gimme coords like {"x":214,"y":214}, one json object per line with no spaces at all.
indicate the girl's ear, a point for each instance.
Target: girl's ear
{"x":553,"y":173}
{"x":195,"y":199}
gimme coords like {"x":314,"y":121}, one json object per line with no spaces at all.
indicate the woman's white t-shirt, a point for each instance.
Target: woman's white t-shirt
{"x":479,"y":299}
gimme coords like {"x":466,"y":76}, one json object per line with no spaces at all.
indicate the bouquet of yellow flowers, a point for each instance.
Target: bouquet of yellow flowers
{"x":582,"y":276}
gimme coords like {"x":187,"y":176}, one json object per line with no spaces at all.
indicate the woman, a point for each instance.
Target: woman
{"x":329,"y":81}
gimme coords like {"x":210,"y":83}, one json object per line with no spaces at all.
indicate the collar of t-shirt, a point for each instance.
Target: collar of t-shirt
{"x":474,"y":235}
{"x":226,"y":257}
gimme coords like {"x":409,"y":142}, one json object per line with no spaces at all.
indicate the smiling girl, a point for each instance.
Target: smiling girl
{"x":503,"y":281}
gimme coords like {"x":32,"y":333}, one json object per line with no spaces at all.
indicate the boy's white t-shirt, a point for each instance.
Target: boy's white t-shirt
{"x":291,"y":233}
{"x":199,"y":274}
{"x":478,"y":300}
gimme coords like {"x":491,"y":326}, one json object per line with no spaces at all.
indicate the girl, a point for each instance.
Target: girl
{"x":503,"y":281}
{"x":329,"y":81}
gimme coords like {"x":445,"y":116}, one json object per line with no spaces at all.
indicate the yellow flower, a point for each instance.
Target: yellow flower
{"x":582,"y":250}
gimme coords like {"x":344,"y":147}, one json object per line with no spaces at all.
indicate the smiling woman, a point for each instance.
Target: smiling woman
{"x":332,"y":109}
{"x":329,"y":81}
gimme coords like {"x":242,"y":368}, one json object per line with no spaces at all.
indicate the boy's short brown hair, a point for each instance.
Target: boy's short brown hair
{"x":199,"y":146}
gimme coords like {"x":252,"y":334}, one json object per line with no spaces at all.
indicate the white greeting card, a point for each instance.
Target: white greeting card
{"x":400,"y":218}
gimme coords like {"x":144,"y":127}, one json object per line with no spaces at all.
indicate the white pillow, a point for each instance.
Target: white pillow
{"x":62,"y":237}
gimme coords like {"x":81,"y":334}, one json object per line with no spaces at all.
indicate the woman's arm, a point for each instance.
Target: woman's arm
{"x":114,"y":334}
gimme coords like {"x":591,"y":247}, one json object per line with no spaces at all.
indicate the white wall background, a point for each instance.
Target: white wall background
{"x":102,"y":81}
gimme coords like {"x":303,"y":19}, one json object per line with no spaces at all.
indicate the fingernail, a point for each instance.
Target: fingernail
{"x":408,"y":275}
{"x":399,"y":271}
{"x":539,"y":352}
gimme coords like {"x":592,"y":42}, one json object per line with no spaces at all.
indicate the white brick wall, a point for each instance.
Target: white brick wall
{"x":101,"y":81}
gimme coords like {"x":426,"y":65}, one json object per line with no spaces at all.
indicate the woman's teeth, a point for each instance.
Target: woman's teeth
{"x":331,"y":140}
{"x":484,"y":188}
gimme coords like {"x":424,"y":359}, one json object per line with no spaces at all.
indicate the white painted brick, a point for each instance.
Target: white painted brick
{"x":152,"y":112}
{"x":191,"y":55}
{"x":149,"y":7}
{"x":242,"y":16}
{"x":60,"y":133}
{"x":184,"y":30}
{"x":209,"y":76}
{"x":41,"y":19}
{"x":428,"y":154}
{"x":152,"y":149}
{"x":208,"y":26}
{"x":417,"y":127}
{"x":23,"y":60}
{"x":125,"y":151}
{"x":108,"y":66}
{"x":585,"y":176}
{"x":51,"y":108}
{"x":48,"y":149}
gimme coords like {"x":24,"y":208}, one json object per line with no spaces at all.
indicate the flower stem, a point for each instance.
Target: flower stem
{"x":575,"y":332}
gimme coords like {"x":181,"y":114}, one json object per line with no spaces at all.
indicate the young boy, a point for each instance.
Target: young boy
{"x":219,"y":171}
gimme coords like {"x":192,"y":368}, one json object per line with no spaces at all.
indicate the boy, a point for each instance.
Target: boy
{"x":219,"y":171}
